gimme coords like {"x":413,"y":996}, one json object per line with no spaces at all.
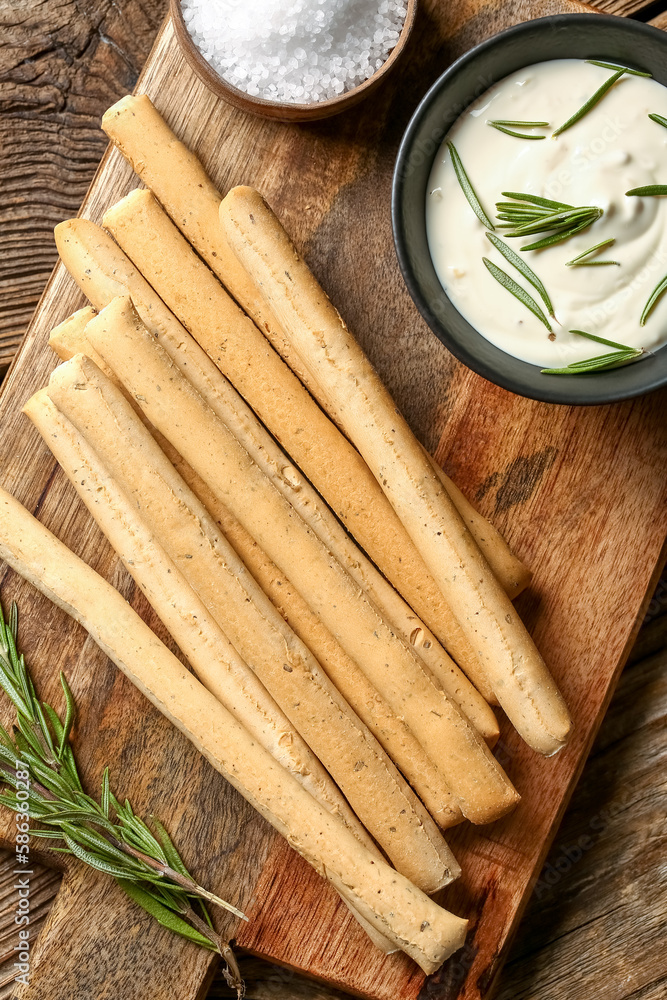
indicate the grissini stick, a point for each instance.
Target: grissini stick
{"x":391,"y":732}
{"x":181,"y":185}
{"x":511,"y":573}
{"x":396,"y":908}
{"x":65,"y":338}
{"x":517,"y":673}
{"x":234,"y":343}
{"x":178,"y":411}
{"x":102,"y":269}
{"x":147,"y":512}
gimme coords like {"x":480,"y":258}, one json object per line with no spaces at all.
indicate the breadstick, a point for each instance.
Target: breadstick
{"x":181,"y":185}
{"x":508,"y":569}
{"x":153,"y":497}
{"x":65,"y":338}
{"x":103,"y":271}
{"x":517,"y":673}
{"x":174,"y":406}
{"x":397,"y":909}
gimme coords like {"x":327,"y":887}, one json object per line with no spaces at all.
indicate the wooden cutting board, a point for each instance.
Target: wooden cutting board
{"x":579,"y":493}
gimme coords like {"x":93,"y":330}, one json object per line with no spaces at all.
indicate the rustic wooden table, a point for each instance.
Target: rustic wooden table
{"x":595,"y":924}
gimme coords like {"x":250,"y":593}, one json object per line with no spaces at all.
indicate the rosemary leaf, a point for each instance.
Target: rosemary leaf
{"x":623,"y":355}
{"x":656,"y":294}
{"x":560,"y":220}
{"x":617,"y":66}
{"x":566,"y":234}
{"x":591,"y":102}
{"x":601,"y":340}
{"x":70,"y":713}
{"x":521,"y":266}
{"x":614,"y":359}
{"x":511,"y":121}
{"x":502,"y":126}
{"x":467,"y":187}
{"x":598,"y":246}
{"x":589,"y":263}
{"x":93,"y":860}
{"x":605,"y":362}
{"x":649,"y":190}
{"x":164,"y":916}
{"x":520,"y":293}
{"x":171,"y":854}
{"x":534,"y":199}
{"x":659,"y":120}
{"x":105,"y":792}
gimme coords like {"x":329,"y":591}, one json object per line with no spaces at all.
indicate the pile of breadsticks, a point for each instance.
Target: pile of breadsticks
{"x":346,"y":613}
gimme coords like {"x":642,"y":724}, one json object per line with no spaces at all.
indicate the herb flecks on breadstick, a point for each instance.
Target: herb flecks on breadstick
{"x":397,"y":909}
{"x":183,"y":188}
{"x":517,"y":674}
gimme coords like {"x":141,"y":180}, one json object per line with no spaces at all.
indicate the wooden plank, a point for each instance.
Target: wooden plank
{"x":580,"y":492}
{"x":61,"y":66}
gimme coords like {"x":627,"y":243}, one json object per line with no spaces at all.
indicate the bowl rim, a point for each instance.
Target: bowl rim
{"x":557,"y":392}
{"x":276,"y":109}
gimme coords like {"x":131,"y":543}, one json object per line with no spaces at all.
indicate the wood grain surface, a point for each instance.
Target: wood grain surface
{"x":579,"y":493}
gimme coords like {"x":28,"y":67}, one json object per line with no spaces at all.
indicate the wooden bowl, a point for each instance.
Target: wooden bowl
{"x":276,"y":109}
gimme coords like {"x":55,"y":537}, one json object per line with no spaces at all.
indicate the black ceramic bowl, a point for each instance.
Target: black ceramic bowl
{"x":564,"y":36}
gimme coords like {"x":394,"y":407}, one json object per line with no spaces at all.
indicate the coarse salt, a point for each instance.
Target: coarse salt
{"x":295,"y":51}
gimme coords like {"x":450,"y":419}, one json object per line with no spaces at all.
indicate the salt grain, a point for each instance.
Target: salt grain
{"x":295,"y":51}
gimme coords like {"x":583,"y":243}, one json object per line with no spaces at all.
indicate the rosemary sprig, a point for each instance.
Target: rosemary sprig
{"x":105,"y":835}
{"x":467,"y":187}
{"x":656,"y":294}
{"x":581,"y":262}
{"x":521,"y":266}
{"x":520,"y":293}
{"x":617,"y":66}
{"x":659,"y":120}
{"x":649,"y":190}
{"x":507,"y":126}
{"x":534,"y":199}
{"x":529,"y":214}
{"x":622,"y":355}
{"x":591,"y":102}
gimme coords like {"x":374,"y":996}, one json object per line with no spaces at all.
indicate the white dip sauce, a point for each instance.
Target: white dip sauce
{"x":613,"y":148}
